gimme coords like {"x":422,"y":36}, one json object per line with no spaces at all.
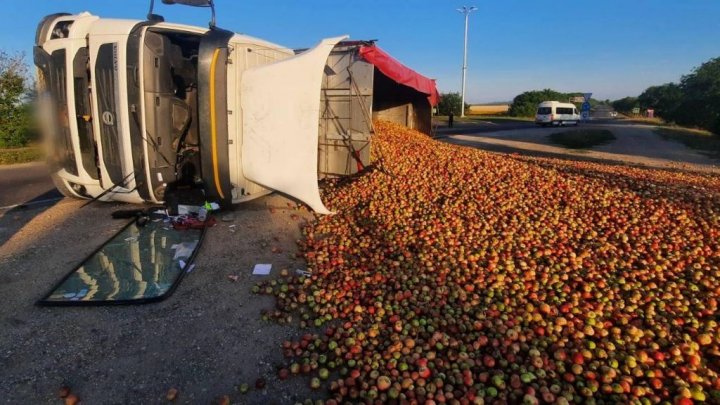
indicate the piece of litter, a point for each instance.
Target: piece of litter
{"x":231,"y":226}
{"x":191,"y":268}
{"x":188,"y":209}
{"x":182,"y":264}
{"x":233,"y":277}
{"x":303,"y":272}
{"x":183,"y":249}
{"x":262,"y":269}
{"x":131,"y":239}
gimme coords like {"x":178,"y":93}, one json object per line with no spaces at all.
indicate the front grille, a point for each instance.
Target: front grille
{"x":83,"y":113}
{"x":106,"y":92}
{"x":58,"y":90}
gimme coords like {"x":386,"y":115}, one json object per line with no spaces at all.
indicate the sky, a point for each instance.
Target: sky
{"x":612,"y":48}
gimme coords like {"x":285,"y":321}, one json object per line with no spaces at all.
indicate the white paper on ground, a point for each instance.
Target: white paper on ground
{"x":262,"y":269}
{"x":188,"y":209}
{"x":183,"y":250}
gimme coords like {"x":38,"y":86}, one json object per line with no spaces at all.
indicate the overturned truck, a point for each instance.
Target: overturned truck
{"x":134,"y":108}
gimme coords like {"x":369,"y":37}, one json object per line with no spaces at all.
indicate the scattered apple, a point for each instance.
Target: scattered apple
{"x":454,"y":275}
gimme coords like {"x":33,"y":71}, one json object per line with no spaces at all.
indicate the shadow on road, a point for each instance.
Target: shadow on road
{"x":14,"y":219}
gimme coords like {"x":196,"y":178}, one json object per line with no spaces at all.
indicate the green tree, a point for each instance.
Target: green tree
{"x":15,"y":111}
{"x":525,"y":104}
{"x":625,"y":105}
{"x":700,"y":104}
{"x":664,"y":99}
{"x":450,"y":102}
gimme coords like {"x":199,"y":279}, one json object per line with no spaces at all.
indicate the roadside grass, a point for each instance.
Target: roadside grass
{"x":704,"y":142}
{"x":20,"y":155}
{"x":582,"y":138}
{"x":643,"y":120}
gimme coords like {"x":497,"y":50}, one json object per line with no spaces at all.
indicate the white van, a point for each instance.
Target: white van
{"x":556,"y":113}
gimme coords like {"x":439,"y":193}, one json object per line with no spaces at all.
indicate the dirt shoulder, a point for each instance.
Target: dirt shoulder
{"x":204,"y":340}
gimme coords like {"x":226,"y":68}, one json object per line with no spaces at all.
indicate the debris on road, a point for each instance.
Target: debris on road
{"x":262,"y":269}
{"x":142,"y":262}
{"x":303,"y":273}
{"x":72,"y":399}
{"x":172,"y":394}
{"x":64,"y":392}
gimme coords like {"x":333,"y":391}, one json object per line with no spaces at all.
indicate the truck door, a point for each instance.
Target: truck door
{"x":281,"y":112}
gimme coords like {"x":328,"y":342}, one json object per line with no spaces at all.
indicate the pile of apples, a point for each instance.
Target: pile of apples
{"x":453,"y":275}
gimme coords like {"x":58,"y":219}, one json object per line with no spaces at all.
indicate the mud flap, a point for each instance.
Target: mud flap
{"x":281,"y":113}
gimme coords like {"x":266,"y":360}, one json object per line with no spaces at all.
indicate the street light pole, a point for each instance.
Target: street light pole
{"x":466,"y":11}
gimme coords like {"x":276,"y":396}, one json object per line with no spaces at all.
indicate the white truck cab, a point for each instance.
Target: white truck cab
{"x":129,"y":100}
{"x":556,"y":113}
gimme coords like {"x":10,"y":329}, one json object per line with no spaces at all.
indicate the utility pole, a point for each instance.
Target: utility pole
{"x":466,"y":11}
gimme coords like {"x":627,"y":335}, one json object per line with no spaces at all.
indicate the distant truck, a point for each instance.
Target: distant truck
{"x":556,"y":113}
{"x":132,"y":108}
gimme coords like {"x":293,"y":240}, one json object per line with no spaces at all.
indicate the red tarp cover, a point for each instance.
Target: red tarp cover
{"x":400,"y":73}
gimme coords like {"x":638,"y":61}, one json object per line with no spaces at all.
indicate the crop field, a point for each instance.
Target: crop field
{"x":488,"y":109}
{"x":453,"y":275}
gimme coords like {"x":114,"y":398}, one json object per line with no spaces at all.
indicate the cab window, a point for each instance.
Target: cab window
{"x":544,"y":110}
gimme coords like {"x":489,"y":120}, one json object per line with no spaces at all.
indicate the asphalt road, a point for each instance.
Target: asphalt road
{"x":24,"y":183}
{"x":635,"y":144}
{"x":479,"y":127}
